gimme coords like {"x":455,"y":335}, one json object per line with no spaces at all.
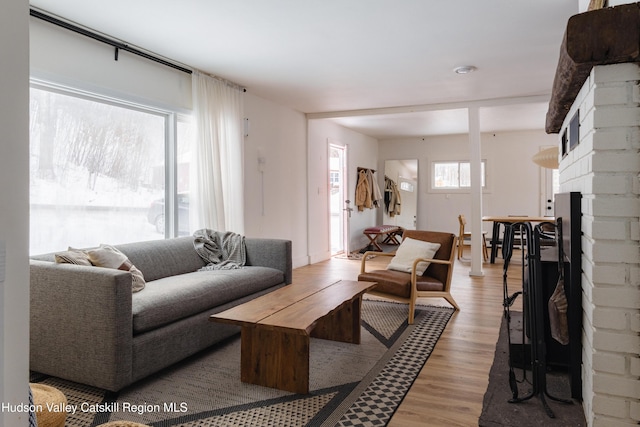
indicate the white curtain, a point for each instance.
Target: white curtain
{"x":217,"y":172}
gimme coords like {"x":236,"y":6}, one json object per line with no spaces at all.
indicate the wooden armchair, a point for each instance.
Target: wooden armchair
{"x":407,"y":286}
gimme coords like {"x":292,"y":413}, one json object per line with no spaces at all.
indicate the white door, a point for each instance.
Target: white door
{"x":338,"y":200}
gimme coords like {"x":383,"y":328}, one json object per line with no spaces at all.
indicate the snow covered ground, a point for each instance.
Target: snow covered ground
{"x":65,"y":212}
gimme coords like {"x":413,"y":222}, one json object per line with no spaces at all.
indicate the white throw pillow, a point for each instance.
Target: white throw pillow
{"x":73,"y":256}
{"x":409,"y":250}
{"x":109,"y":257}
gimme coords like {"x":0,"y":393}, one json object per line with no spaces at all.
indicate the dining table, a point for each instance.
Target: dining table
{"x":509,"y":219}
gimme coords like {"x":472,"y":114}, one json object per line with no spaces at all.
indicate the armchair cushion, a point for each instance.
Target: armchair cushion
{"x":447,"y":242}
{"x":409,"y":251}
{"x":399,"y":283}
{"x":389,"y":281}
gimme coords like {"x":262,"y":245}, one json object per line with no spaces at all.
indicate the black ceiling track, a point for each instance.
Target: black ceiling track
{"x":116,"y":44}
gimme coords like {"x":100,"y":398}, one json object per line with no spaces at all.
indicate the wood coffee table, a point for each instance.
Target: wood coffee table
{"x":276,"y":329}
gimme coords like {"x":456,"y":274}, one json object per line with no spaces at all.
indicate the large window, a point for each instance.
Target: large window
{"x":101,"y":170}
{"x":455,"y":175}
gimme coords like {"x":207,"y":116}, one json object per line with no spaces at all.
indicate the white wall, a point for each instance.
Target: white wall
{"x":276,"y":198}
{"x":362,"y":151}
{"x":14,"y":212}
{"x":513,"y":180}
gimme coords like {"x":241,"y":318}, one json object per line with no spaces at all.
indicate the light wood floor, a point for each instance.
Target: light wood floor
{"x":451,"y":386}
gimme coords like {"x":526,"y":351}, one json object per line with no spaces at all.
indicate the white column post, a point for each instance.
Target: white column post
{"x":476,"y":192}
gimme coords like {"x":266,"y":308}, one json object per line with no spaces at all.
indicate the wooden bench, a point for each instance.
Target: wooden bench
{"x":391,"y":233}
{"x":277,"y":327}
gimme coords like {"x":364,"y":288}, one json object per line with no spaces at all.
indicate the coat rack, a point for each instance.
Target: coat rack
{"x":366,"y":169}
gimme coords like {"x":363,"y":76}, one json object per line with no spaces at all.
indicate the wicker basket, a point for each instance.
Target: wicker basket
{"x":45,"y":394}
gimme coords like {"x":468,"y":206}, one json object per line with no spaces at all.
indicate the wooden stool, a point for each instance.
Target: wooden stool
{"x":390,"y":231}
{"x":45,"y":394}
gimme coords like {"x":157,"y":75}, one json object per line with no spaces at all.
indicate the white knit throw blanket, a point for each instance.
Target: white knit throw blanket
{"x":221,"y":250}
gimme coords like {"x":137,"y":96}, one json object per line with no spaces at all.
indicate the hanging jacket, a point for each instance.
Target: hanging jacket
{"x":376,"y":194}
{"x":392,"y":198}
{"x":363,"y":191}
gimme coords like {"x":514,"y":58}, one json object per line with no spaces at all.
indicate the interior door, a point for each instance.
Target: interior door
{"x":338,"y":204}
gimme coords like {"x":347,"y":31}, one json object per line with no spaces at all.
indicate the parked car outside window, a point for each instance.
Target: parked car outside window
{"x":155,"y":215}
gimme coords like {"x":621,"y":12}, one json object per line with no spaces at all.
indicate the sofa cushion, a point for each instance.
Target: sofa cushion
{"x":163,"y":258}
{"x":172,"y":298}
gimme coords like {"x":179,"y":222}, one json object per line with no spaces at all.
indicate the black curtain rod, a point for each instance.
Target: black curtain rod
{"x":100,"y":38}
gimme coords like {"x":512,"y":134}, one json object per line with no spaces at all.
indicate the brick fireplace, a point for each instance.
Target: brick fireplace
{"x":599,"y":138}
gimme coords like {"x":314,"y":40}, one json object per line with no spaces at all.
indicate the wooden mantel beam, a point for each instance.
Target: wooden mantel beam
{"x":598,"y":37}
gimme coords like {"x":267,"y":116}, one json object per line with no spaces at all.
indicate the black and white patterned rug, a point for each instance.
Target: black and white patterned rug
{"x":350,"y":385}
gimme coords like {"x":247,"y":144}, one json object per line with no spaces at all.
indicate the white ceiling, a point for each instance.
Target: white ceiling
{"x":381,"y":67}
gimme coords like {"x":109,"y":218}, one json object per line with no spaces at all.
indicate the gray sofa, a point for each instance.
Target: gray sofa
{"x":87,"y":326}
